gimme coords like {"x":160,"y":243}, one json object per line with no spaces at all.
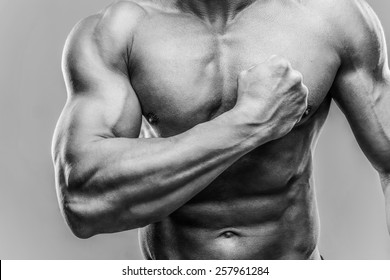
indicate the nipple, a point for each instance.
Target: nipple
{"x":152,"y":118}
{"x":228,"y":234}
{"x":308,"y":110}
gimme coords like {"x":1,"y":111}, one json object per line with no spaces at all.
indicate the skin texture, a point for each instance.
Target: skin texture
{"x":165,"y":128}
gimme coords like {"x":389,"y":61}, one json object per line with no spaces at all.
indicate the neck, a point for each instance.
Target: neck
{"x":214,"y":11}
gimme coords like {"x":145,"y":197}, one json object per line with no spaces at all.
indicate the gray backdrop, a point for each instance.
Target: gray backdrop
{"x":32,"y":34}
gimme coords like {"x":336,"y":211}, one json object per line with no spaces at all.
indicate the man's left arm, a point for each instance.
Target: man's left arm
{"x":362,"y":90}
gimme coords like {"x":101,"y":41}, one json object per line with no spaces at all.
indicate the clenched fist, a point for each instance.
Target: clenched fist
{"x":272,"y":95}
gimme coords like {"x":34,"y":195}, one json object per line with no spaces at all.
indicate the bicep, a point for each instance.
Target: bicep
{"x":101,"y":102}
{"x":111,"y":109}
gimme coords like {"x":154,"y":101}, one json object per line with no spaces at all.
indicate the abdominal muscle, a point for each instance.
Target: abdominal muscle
{"x":223,"y":222}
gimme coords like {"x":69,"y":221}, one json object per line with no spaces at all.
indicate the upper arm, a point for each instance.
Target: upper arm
{"x":101,"y":103}
{"x":362,"y":86}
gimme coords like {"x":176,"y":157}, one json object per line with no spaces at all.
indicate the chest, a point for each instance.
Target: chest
{"x":185,"y":72}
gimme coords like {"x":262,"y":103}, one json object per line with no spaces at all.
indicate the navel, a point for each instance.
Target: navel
{"x":228,"y":234}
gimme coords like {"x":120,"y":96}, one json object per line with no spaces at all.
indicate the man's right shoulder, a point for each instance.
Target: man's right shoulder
{"x":115,"y":22}
{"x":106,"y":35}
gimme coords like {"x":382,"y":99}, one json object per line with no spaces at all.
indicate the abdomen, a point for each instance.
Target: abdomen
{"x":258,"y":209}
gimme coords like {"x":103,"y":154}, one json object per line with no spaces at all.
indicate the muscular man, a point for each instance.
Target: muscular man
{"x":196,"y":120}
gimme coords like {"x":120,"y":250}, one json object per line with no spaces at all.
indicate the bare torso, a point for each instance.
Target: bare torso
{"x":263,"y":206}
{"x":190,"y":121}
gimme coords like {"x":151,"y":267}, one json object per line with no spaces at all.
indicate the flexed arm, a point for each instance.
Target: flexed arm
{"x":109,"y":180}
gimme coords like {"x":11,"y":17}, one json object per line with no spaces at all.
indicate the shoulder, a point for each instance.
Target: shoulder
{"x":120,"y":18}
{"x":98,"y":46}
{"x":356,"y":29}
{"x":348,"y":18}
{"x":107,"y":33}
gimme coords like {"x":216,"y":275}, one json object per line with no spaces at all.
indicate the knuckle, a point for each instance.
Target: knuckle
{"x":243,"y":74}
{"x":301,"y":96}
{"x":296,"y":77}
{"x":304,"y":92}
{"x":281,"y":63}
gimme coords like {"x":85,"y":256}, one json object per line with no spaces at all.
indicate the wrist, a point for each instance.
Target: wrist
{"x":257,"y":133}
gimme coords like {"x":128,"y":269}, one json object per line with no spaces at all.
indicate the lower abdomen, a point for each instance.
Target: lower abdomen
{"x":278,"y":226}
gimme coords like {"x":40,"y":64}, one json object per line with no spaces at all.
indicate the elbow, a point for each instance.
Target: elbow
{"x":87,"y":217}
{"x":78,"y":220}
{"x":89,"y":213}
{"x":79,"y":225}
{"x":77,"y":205}
{"x":84,"y":227}
{"x":81,"y":233}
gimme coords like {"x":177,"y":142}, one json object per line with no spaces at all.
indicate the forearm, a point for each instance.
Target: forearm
{"x":129,"y":183}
